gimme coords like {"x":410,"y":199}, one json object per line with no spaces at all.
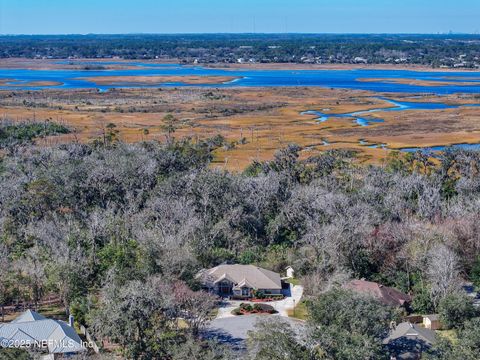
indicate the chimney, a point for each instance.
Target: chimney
{"x":71,"y":321}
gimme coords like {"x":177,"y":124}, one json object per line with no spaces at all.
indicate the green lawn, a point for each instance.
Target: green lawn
{"x":448,"y":334}
{"x":293,"y":281}
{"x":300,"y":312}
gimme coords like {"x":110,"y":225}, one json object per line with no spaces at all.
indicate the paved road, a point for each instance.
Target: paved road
{"x":234,"y":330}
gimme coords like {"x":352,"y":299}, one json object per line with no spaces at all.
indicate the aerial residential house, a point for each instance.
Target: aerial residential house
{"x":240,"y":281}
{"x":384,"y":294}
{"x":360,"y":60}
{"x":55,"y":338}
{"x":408,"y":341}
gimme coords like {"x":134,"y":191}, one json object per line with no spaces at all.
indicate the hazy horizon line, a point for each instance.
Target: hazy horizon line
{"x":241,"y":33}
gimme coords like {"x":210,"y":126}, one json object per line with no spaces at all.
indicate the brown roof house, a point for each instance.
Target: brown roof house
{"x":241,"y":281}
{"x":384,"y":294}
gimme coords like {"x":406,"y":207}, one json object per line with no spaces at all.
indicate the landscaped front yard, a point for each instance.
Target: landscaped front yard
{"x":283,"y":306}
{"x":247,"y":309}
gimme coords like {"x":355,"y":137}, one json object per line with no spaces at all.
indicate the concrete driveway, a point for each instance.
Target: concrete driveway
{"x":296,"y":293}
{"x":234,"y":330}
{"x":293,"y":297}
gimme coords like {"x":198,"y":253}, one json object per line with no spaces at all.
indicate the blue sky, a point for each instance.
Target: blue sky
{"x":189,"y":16}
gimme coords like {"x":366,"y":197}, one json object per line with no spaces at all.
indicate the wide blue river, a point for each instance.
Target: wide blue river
{"x":347,"y":79}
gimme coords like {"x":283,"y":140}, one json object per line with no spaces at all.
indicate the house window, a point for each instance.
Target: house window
{"x":245,"y":292}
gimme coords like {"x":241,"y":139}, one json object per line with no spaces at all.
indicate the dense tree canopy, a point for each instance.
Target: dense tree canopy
{"x":342,"y":326}
{"x":99,"y":224}
{"x":433,"y":50}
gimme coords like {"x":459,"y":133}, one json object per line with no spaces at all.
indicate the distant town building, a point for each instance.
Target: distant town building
{"x":360,"y":60}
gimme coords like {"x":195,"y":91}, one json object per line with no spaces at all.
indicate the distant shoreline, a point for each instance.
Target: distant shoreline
{"x":124,"y":64}
{"x":416,"y":82}
{"x":295,"y":66}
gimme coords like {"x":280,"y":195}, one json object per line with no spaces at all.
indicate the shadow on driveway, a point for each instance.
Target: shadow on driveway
{"x":233,"y":331}
{"x":223,"y":337}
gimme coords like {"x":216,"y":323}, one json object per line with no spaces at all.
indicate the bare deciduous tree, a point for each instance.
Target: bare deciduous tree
{"x":195,"y":307}
{"x":443,"y":272}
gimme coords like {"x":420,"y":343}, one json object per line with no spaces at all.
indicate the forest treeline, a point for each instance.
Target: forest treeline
{"x":432,"y":50}
{"x":16,"y":133}
{"x":119,"y":231}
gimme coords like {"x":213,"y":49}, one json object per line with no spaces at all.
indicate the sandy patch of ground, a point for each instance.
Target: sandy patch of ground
{"x":419,"y":82}
{"x":158,"y":80}
{"x":15,"y":83}
{"x":461,"y":78}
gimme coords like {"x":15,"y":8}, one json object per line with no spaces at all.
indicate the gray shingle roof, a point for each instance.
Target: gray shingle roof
{"x":31,"y":327}
{"x":413,"y":332}
{"x":256,"y":277}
